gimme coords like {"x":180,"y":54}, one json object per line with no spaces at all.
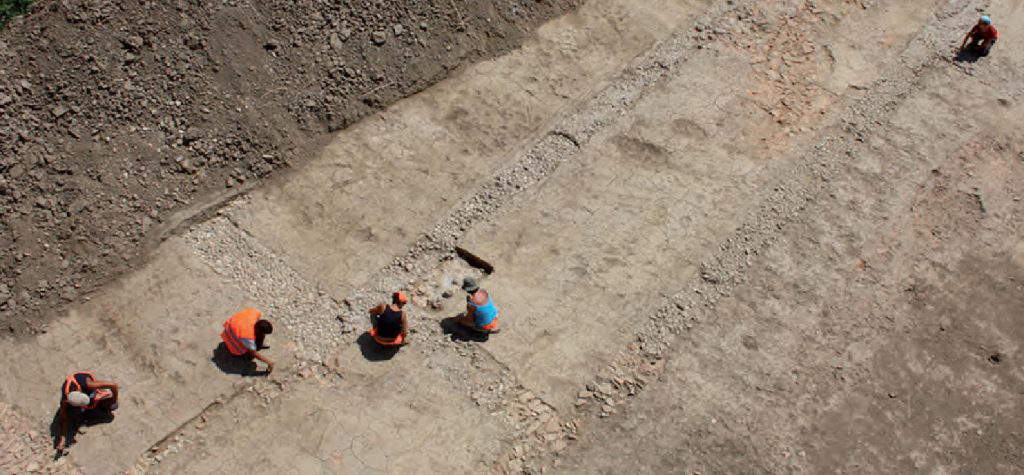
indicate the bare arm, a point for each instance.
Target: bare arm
{"x":62,"y":415}
{"x":375,"y":312}
{"x":405,"y":326}
{"x":966,"y":38}
{"x":472,"y":300}
{"x":270,"y":364}
{"x":102,"y":384}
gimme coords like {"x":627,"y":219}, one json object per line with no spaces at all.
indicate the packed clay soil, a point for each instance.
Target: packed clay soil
{"x":115,"y":117}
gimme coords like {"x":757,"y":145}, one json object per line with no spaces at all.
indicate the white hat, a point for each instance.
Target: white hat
{"x":78,"y":399}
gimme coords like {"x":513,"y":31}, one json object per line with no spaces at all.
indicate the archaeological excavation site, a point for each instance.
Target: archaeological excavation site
{"x":511,"y":236}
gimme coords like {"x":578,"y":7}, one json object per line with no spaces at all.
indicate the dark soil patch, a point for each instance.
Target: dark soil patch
{"x":114,"y":114}
{"x":12,"y":8}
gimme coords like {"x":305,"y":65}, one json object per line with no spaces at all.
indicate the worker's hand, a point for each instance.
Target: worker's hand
{"x":60,"y":444}
{"x":270,"y":367}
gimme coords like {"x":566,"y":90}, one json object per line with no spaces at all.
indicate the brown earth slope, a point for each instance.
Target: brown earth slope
{"x":114,"y":115}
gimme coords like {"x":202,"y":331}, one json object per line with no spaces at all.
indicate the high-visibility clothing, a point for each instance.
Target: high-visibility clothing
{"x":396,"y":341}
{"x":73,"y":384}
{"x":389,"y":322}
{"x":239,"y":333}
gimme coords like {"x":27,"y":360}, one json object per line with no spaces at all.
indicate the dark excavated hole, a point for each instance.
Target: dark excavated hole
{"x":474,"y":260}
{"x":996,"y":358}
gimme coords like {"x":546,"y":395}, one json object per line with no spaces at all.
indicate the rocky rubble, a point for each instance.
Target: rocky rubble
{"x":24,"y":449}
{"x":115,"y":114}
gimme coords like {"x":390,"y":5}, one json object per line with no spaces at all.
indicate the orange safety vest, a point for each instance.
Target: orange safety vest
{"x":396,"y":341}
{"x":71,"y":384}
{"x":240,"y":325}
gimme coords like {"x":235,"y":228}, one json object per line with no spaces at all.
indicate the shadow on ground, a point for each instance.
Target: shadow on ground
{"x":232,"y":364}
{"x":75,"y":424}
{"x":373,"y":351}
{"x":450,"y":326}
{"x":967,"y":55}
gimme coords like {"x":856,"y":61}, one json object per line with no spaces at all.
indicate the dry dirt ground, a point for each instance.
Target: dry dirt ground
{"x":726,"y":237}
{"x":117,"y":115}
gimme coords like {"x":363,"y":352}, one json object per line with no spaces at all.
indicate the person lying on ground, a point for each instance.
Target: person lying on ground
{"x":244,"y":334}
{"x":83,"y":397}
{"x":389,"y":325}
{"x":481,"y":313}
{"x":981,"y":38}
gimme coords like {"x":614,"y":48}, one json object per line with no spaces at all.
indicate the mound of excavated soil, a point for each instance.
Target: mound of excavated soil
{"x":115,"y":114}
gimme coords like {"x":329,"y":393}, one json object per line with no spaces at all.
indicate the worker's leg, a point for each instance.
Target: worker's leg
{"x":986,"y":46}
{"x":466,"y":321}
{"x":75,"y":420}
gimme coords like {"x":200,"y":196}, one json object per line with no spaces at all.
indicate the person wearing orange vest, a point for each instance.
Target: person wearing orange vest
{"x":389,"y":325}
{"x":244,"y":333}
{"x":83,"y":396}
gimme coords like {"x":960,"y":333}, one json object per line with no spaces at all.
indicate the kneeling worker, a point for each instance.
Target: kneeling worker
{"x":389,"y":325}
{"x":981,"y":37}
{"x":244,"y":333}
{"x":481,"y":313}
{"x":83,"y":396}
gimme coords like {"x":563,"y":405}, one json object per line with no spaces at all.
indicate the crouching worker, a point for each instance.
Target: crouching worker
{"x":481,"y":314}
{"x":244,"y":334}
{"x":981,"y":38}
{"x":389,"y":326}
{"x":83,"y":398}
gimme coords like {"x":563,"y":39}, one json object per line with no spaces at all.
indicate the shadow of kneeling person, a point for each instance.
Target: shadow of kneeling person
{"x":969,"y":54}
{"x":231,"y":364}
{"x":374,"y":351}
{"x":76,"y":421}
{"x":457,"y":332}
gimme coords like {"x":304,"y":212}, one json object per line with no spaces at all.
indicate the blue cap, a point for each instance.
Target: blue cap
{"x":986,"y":20}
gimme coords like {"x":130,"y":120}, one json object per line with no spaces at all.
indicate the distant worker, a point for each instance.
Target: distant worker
{"x":244,"y":333}
{"x":389,"y":325}
{"x":83,"y":397}
{"x":981,"y":38}
{"x":481,"y":314}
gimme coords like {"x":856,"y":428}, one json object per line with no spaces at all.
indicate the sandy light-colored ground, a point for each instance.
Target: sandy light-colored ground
{"x":726,"y":237}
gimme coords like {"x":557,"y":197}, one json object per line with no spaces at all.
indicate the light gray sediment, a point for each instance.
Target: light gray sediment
{"x":799,"y":190}
{"x":309,"y":314}
{"x":542,"y":433}
{"x":318,"y":321}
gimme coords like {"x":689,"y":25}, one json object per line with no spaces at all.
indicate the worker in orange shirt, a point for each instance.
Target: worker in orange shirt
{"x":244,"y":333}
